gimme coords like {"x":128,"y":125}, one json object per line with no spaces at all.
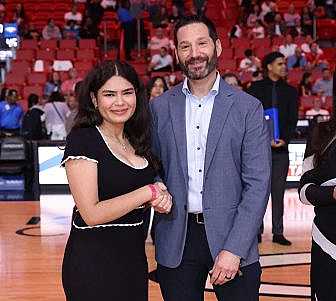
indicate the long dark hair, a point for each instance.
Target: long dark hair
{"x":151,"y":83}
{"x":137,"y":128}
{"x":324,"y":132}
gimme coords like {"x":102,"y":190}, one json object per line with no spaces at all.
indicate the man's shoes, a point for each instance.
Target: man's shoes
{"x":259,"y":238}
{"x":281,"y":240}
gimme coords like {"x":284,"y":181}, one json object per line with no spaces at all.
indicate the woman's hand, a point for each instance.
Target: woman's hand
{"x":163,"y":203}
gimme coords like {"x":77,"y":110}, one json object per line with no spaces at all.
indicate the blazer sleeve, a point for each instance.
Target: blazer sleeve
{"x":255,"y":177}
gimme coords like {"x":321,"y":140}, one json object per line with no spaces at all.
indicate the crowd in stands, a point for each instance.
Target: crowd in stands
{"x":261,"y":27}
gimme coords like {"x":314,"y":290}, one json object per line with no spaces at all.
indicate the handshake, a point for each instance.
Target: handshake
{"x":161,"y":200}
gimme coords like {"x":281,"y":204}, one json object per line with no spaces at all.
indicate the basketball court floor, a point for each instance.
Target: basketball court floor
{"x":33,"y":236}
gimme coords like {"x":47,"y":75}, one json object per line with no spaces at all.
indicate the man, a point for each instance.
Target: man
{"x":10,"y":114}
{"x":288,"y":49}
{"x":297,"y":60}
{"x":250,"y":62}
{"x":51,"y":31}
{"x":217,"y":168}
{"x":274,"y":92}
{"x":162,"y":61}
{"x":324,"y":85}
{"x":316,"y":110}
{"x":159,"y":40}
{"x":73,"y":15}
{"x":68,"y":85}
{"x":232,"y":79}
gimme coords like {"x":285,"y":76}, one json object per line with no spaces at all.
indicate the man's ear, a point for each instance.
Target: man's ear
{"x":176,"y":56}
{"x":219,"y":48}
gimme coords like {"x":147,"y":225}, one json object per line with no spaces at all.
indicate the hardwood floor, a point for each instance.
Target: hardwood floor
{"x":31,"y":255}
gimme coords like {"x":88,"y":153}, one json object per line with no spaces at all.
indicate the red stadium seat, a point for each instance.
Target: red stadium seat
{"x":22,"y":67}
{"x":48,"y":44}
{"x":307,"y":102}
{"x":67,"y":44}
{"x":239,"y":53}
{"x":83,"y":65}
{"x":227,"y":53}
{"x":87,"y":44}
{"x":37,"y":78}
{"x":27,"y":90}
{"x":15,"y":78}
{"x":29,"y":44}
{"x":241,"y":43}
{"x":227,"y":65}
{"x":65,"y":54}
{"x":46,"y":55}
{"x":25,"y":54}
{"x":85,"y":54}
{"x":261,"y":43}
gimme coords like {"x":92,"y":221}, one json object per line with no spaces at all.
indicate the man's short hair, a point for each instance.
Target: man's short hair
{"x":270,"y":58}
{"x":187,"y":20}
{"x":248,"y":52}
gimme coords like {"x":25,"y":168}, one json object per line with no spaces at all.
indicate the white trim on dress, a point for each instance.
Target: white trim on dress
{"x":326,"y":245}
{"x":120,"y":159}
{"x":78,"y":158}
{"x":303,"y":197}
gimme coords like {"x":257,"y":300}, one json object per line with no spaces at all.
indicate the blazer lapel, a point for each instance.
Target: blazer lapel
{"x":221,"y":108}
{"x":177,"y":107}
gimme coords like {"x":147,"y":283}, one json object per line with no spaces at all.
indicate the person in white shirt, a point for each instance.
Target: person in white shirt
{"x":73,"y":15}
{"x":258,"y":31}
{"x":288,"y":49}
{"x":250,"y":62}
{"x":159,"y":40}
{"x":162,"y":61}
{"x":316,"y":110}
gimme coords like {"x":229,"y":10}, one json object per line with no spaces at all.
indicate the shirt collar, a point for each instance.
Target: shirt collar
{"x":214,"y":90}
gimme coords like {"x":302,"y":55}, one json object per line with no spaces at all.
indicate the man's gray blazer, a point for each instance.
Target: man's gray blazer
{"x":236,"y":174}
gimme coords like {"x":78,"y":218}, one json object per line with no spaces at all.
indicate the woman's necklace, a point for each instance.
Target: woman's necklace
{"x":124,"y":144}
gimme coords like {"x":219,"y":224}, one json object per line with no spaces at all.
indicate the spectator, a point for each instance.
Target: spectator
{"x":68,"y":86}
{"x":237,"y":30}
{"x":53,"y":84}
{"x":270,"y":15}
{"x":297,"y":60}
{"x":51,"y":31}
{"x":324,"y":85}
{"x":95,"y":11}
{"x":316,"y":57}
{"x":19,"y":17}
{"x":71,"y":30}
{"x":156,"y":86}
{"x":288,"y":49}
{"x":258,"y":31}
{"x":254,"y":16}
{"x":305,"y":86}
{"x":32,"y":33}
{"x":200,"y":6}
{"x":330,"y":8}
{"x":232,"y":79}
{"x":33,"y":122}
{"x":174,"y":17}
{"x":89,"y":30}
{"x":316,"y":110}
{"x":250,"y":62}
{"x":305,"y":47}
{"x":266,"y":7}
{"x":278,"y":27}
{"x":180,"y":6}
{"x":73,"y":15}
{"x":129,"y":25}
{"x":10,"y":113}
{"x":162,"y":61}
{"x":73,"y":111}
{"x":306,"y":21}
{"x":56,"y":111}
{"x":293,"y":20}
{"x":159,"y":40}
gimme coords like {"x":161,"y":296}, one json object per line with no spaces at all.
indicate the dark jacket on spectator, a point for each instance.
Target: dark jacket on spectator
{"x":287,"y":99}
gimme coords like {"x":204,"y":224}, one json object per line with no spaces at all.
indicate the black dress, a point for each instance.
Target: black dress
{"x":106,"y":262}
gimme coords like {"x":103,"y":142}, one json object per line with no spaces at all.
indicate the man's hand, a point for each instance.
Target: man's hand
{"x":278,"y":143}
{"x":163,"y":202}
{"x":225,"y":268}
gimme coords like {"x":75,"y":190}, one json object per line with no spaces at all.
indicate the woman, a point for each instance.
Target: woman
{"x":307,"y":21}
{"x":305,"y":87}
{"x":109,"y":150}
{"x":53,"y":84}
{"x":156,"y":86}
{"x":56,"y":111}
{"x":318,"y":188}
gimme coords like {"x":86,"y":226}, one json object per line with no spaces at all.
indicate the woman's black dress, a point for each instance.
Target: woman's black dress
{"x":106,"y":262}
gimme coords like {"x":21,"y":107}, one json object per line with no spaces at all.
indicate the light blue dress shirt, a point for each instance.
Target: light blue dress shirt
{"x":198,"y":115}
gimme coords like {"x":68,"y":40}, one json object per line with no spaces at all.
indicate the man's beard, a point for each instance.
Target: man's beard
{"x":211,"y":64}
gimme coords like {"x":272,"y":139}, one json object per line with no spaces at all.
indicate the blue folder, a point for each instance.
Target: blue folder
{"x":272,"y":116}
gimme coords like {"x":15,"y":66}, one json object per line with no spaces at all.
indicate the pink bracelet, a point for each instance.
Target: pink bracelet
{"x":153,"y":190}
